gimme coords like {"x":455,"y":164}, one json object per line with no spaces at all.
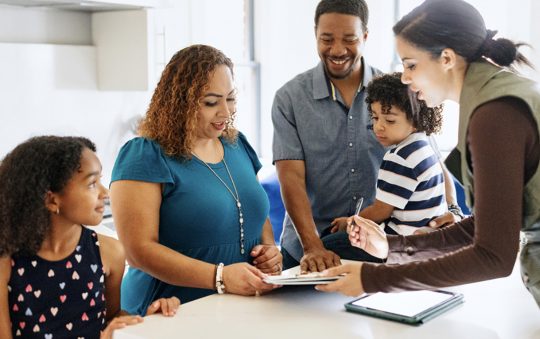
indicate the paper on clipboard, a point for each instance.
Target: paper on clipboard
{"x":313,"y":278}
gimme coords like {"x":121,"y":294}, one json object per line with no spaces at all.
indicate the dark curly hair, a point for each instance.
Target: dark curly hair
{"x":388,"y":90}
{"x":35,"y":167}
{"x":171,"y":119}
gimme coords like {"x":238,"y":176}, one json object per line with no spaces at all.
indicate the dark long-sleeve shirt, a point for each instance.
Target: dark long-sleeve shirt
{"x":504,"y":145}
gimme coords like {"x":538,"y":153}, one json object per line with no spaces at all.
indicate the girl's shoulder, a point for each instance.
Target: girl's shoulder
{"x":111,"y":250}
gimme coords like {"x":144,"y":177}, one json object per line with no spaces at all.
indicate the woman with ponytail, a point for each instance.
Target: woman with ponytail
{"x":448,"y":54}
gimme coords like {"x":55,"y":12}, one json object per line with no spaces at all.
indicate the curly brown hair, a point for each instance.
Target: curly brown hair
{"x":27,"y":173}
{"x":388,"y":90}
{"x":171,"y":119}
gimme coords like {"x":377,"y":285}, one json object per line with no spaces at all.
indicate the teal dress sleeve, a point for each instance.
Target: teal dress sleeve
{"x":142,"y":159}
{"x":250,"y":152}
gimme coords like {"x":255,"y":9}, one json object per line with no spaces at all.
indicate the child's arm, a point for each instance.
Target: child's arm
{"x":5,"y":274}
{"x":378,"y":212}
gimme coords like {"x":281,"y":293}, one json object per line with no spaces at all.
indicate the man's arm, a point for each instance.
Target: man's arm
{"x":292,"y":179}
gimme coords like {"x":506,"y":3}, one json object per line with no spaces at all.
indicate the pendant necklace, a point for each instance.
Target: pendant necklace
{"x":235,"y":196}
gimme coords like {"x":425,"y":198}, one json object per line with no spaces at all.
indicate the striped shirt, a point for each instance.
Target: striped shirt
{"x":411,"y":180}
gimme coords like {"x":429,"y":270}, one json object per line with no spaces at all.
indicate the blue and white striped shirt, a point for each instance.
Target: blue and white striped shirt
{"x":411,"y":179}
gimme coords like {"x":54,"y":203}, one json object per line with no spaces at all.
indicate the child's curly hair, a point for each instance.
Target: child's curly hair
{"x":171,"y":119}
{"x":388,"y":90}
{"x":33,"y":168}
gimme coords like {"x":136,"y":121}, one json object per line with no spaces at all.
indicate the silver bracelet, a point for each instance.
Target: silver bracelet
{"x":220,"y":286}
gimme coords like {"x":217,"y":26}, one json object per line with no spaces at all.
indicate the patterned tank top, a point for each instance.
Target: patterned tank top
{"x":59,"y":299}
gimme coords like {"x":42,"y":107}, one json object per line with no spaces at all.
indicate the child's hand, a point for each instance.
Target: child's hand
{"x":120,"y":322}
{"x":167,"y":306}
{"x":339,"y":224}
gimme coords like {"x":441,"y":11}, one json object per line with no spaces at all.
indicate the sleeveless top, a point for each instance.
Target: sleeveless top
{"x":59,"y":299}
{"x":485,"y":82}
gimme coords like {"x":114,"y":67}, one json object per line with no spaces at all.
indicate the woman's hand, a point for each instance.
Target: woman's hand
{"x":350,"y":284}
{"x":244,"y":279}
{"x":267,"y":258}
{"x":339,"y":224}
{"x":167,"y":306}
{"x":120,"y":322}
{"x":367,"y":235}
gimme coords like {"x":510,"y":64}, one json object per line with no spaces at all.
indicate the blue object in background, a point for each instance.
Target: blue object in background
{"x":277,"y":209}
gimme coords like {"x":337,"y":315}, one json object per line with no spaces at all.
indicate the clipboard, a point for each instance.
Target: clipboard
{"x":412,"y":307}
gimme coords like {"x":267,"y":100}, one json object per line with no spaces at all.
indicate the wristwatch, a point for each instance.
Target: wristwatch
{"x":220,"y":285}
{"x":456,"y":210}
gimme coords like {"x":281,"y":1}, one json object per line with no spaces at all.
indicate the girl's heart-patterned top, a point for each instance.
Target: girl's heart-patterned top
{"x":59,"y":299}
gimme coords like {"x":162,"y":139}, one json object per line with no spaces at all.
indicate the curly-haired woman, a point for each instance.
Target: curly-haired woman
{"x":185,"y":197}
{"x":410,"y":183}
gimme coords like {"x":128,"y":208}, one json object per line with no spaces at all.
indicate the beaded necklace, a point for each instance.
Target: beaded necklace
{"x":235,"y":196}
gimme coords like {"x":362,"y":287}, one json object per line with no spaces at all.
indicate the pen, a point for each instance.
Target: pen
{"x":356,"y":212}
{"x":359,"y":206}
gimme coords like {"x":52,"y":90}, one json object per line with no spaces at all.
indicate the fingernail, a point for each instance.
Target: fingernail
{"x":254,"y":262}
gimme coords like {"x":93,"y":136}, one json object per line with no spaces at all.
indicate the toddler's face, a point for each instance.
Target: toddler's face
{"x":391,"y":127}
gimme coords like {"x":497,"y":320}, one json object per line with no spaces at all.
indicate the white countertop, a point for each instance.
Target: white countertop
{"x":496,"y":309}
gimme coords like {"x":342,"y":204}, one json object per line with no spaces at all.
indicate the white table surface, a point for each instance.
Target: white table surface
{"x":500,"y":308}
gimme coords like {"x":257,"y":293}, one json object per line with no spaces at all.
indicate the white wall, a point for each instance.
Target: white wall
{"x":48,"y":83}
{"x":51,"y":89}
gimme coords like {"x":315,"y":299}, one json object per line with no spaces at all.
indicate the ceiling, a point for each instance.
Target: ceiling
{"x":87,"y":5}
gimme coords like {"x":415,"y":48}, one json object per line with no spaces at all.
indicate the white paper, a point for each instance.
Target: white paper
{"x":313,"y":278}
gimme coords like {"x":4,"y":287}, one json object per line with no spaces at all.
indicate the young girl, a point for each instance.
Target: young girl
{"x":57,"y":277}
{"x":410,"y":183}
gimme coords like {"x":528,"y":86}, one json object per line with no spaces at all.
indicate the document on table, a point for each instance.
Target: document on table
{"x":313,"y":278}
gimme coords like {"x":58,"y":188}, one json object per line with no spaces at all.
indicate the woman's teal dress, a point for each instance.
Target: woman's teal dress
{"x":198,"y":216}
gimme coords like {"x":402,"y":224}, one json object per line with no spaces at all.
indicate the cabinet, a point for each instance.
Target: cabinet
{"x":125,"y":45}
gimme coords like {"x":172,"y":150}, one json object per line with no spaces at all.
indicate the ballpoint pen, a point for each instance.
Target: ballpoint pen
{"x":359,"y":204}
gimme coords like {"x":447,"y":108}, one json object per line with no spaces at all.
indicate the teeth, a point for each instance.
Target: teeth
{"x":338,"y":62}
